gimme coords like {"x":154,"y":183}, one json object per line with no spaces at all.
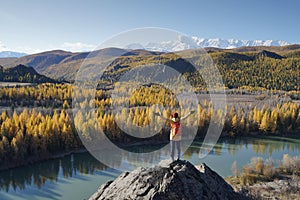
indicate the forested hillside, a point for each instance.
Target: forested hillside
{"x":23,"y":74}
{"x":276,"y":68}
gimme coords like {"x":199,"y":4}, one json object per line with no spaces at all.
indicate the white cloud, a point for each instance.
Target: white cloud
{"x":67,"y":46}
{"x":21,"y":49}
{"x":27,"y":50}
{"x":77,"y":46}
{"x":3,"y":47}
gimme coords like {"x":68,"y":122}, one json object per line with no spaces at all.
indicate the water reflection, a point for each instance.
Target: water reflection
{"x":83,"y":163}
{"x":261,"y":145}
{"x":37,"y":174}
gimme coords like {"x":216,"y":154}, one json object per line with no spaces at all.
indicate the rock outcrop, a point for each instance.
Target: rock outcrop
{"x":176,"y":180}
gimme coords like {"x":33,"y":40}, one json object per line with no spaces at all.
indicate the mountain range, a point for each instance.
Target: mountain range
{"x":183,"y":42}
{"x":63,"y":65}
{"x":270,"y":67}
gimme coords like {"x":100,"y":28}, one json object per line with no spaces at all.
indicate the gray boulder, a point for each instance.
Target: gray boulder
{"x":176,"y":180}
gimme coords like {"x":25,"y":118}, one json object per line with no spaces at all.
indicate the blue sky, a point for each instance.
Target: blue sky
{"x":35,"y":25}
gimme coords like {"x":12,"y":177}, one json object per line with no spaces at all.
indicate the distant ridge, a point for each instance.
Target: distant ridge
{"x":270,"y":54}
{"x":11,"y":54}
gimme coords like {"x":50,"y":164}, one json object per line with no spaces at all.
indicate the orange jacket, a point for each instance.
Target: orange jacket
{"x":175,"y":133}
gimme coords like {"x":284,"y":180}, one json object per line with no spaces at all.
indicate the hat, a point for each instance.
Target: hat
{"x":175,"y":115}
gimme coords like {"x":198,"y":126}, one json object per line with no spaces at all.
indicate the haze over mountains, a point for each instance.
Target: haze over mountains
{"x":183,"y":42}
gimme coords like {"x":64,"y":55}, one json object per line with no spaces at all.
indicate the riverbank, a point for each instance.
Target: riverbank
{"x":8,"y":166}
{"x":265,"y":179}
{"x":32,"y":160}
{"x":285,"y":188}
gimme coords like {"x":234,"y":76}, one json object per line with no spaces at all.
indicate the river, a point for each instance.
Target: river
{"x":77,"y":176}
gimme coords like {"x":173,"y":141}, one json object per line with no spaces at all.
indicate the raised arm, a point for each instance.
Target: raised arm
{"x":186,"y":116}
{"x":159,"y":115}
{"x":169,"y":120}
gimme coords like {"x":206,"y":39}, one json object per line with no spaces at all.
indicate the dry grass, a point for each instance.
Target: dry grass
{"x":261,"y":180}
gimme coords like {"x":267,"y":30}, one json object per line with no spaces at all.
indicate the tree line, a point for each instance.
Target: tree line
{"x":31,"y":136}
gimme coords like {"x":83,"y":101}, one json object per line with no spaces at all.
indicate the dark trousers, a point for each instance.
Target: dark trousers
{"x":173,"y":144}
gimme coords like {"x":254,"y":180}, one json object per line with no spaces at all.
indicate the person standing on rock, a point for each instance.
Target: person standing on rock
{"x":175,"y":132}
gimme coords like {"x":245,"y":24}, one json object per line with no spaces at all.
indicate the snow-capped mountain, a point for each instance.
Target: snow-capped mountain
{"x":185,"y":42}
{"x":7,"y":54}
